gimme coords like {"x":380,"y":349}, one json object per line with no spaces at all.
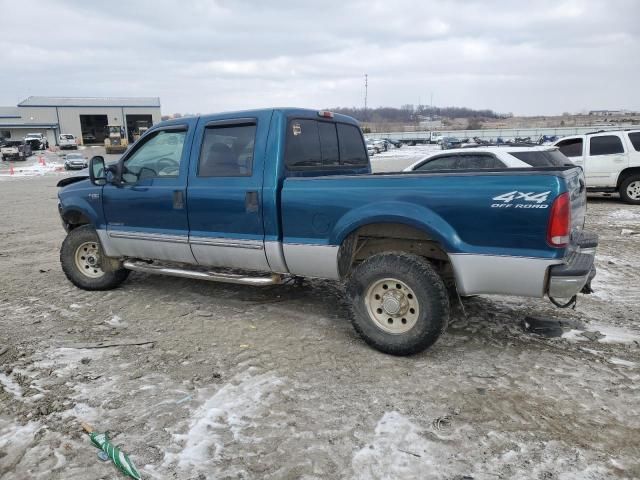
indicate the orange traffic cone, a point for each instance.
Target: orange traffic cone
{"x":10,"y":168}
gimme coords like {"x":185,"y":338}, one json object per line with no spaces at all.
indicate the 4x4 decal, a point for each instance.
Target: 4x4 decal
{"x":516,"y":199}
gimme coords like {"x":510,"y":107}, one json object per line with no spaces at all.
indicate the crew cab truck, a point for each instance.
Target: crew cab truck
{"x":611,"y":161}
{"x":257,"y":196}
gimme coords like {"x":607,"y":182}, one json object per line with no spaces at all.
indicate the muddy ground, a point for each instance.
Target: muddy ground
{"x":273,"y":383}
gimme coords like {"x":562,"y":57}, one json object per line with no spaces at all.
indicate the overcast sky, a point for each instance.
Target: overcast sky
{"x":535,"y":57}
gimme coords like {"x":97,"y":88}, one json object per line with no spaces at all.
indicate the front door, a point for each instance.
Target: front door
{"x":225,"y":192}
{"x":147,"y":214}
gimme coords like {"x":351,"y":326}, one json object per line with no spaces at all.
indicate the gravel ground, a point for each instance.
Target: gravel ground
{"x":273,"y":383}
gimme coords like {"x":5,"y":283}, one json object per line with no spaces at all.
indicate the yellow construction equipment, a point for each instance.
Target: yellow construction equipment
{"x":115,"y":141}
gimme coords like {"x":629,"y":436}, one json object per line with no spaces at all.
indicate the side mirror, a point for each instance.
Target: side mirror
{"x":97,"y":173}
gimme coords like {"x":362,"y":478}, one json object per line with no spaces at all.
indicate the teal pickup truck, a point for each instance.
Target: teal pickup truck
{"x":255,"y":197}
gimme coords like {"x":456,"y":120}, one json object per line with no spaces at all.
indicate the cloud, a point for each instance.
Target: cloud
{"x":535,"y":57}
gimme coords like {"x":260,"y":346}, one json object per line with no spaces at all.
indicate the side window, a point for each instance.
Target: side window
{"x":479,"y":161}
{"x":441,"y":163}
{"x":159,"y":156}
{"x":605,"y":145}
{"x":303,"y":144}
{"x":571,"y":147}
{"x":329,"y":144}
{"x":352,"y":149}
{"x":227,"y":151}
{"x":635,"y":140}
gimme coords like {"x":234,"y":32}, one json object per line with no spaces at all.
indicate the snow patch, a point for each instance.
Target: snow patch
{"x":64,"y":360}
{"x":229,"y":411}
{"x":116,"y":321}
{"x":620,"y":361}
{"x":10,"y":386}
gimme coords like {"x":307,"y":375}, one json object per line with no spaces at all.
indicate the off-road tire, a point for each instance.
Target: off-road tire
{"x":74,"y":240}
{"x":624,"y":196}
{"x":429,"y":291}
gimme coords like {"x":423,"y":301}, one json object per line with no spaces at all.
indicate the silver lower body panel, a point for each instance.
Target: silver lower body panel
{"x":492,"y":274}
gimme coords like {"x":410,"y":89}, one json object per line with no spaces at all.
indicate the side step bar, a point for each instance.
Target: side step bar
{"x":138,"y":266}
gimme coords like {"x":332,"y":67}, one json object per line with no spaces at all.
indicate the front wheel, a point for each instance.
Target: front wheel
{"x":630,"y":190}
{"x":82,"y":261}
{"x":399,"y":303}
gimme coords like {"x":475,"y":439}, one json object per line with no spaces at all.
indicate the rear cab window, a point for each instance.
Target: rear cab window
{"x":323,"y":145}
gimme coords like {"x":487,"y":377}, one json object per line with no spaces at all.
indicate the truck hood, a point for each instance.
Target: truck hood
{"x":71,"y":180}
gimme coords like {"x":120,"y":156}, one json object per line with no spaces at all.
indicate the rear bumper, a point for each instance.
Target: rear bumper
{"x":569,"y":279}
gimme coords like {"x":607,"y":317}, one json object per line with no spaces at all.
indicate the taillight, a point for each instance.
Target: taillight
{"x":559,"y":229}
{"x":325,"y":114}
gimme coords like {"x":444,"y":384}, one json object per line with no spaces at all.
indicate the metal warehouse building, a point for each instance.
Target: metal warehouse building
{"x":83,"y":117}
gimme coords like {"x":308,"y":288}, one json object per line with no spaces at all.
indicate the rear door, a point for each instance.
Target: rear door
{"x":606,"y":158}
{"x":225,"y":191}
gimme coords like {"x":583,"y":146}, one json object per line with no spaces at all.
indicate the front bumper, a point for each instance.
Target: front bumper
{"x":575,"y":276}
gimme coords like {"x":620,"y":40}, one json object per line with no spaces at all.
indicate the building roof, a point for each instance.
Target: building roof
{"x":90,"y":102}
{"x":9,"y":112}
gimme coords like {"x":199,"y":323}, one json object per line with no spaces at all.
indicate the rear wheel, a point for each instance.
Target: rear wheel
{"x":399,"y":303}
{"x":630,"y":190}
{"x":82,"y":261}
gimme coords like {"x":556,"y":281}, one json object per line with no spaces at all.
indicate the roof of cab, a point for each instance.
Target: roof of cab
{"x":286,"y":111}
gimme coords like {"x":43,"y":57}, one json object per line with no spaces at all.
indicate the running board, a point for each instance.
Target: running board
{"x":138,"y":266}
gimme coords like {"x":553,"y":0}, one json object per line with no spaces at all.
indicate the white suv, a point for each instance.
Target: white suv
{"x":493,"y":157}
{"x":611,"y":161}
{"x":66,"y":140}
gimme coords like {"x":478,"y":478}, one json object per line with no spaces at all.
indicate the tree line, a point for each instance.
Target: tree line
{"x":412,"y":113}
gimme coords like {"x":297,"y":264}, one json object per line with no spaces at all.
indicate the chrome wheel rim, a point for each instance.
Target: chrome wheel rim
{"x":633,"y":190}
{"x":392,"y":305}
{"x":88,"y":260}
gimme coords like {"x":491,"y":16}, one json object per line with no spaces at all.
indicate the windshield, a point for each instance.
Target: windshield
{"x":548,"y":158}
{"x":66,"y":137}
{"x":74,"y":156}
{"x":114,"y":130}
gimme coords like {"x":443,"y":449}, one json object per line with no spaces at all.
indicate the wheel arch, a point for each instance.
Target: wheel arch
{"x":74,"y":217}
{"x":626,"y":173}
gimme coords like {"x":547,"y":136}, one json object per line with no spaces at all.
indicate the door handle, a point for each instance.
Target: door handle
{"x":178,"y":200}
{"x":251,"y":202}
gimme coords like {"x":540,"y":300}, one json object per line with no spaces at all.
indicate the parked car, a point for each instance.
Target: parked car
{"x":494,"y":157}
{"x":282,"y":193}
{"x":15,"y":150}
{"x":74,"y":161}
{"x":66,"y":140}
{"x":611,"y":161}
{"x":371,"y":149}
{"x":88,"y":138}
{"x":450,"y":142}
{"x":382,"y":144}
{"x":37,"y":141}
{"x":392,"y":142}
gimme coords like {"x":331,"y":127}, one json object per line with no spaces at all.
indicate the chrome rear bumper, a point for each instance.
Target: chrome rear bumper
{"x":575,"y":276}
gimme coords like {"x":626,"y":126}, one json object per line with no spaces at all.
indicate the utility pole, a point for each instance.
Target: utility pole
{"x":366,"y":91}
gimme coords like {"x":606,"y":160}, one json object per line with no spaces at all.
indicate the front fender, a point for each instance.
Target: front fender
{"x":82,"y":201}
{"x":405,"y":213}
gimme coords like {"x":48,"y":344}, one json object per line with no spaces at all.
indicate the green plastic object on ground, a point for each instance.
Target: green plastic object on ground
{"x":119,"y":458}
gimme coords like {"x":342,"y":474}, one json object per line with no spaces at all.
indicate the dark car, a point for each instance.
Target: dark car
{"x":450,"y":142}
